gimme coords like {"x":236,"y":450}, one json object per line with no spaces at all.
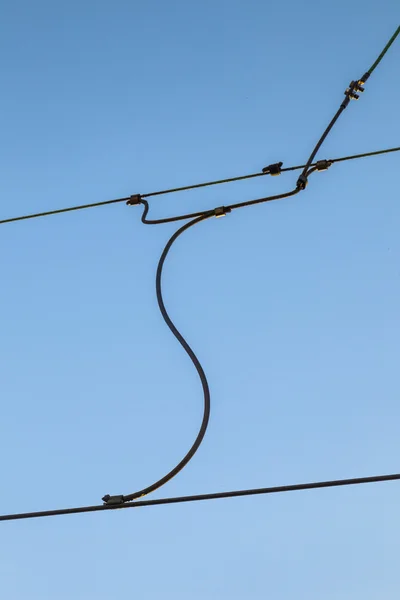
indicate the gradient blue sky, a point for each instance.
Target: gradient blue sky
{"x":292,"y":307}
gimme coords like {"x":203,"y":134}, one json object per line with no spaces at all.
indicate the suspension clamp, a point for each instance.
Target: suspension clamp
{"x":354,"y":87}
{"x":323,"y":165}
{"x":134,"y":200}
{"x":221,"y":211}
{"x":113,"y":500}
{"x":274,"y":169}
{"x":302,"y":182}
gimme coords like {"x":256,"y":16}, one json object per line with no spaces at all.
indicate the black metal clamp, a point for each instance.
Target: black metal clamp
{"x":274,"y":169}
{"x":323,"y":165}
{"x":113,"y":500}
{"x":134,"y":200}
{"x":221,"y":211}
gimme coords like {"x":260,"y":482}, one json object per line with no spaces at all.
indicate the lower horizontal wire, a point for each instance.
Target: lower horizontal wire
{"x":199,"y":497}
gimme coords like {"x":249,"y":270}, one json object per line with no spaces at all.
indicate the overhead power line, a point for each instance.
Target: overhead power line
{"x":125,"y":501}
{"x":275,"y":169}
{"x":188,"y":187}
{"x":297,"y":487}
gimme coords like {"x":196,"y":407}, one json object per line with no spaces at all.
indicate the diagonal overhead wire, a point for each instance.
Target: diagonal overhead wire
{"x":351,"y":93}
{"x":382,"y":54}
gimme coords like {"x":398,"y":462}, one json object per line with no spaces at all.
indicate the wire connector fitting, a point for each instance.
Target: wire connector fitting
{"x":113,"y":500}
{"x":302,"y":182}
{"x":323,"y":165}
{"x":274,"y":169}
{"x":354,"y":87}
{"x":364,"y":78}
{"x":221,"y":211}
{"x":134,"y":200}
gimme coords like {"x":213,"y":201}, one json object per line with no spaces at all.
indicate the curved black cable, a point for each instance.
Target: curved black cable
{"x":122,"y":498}
{"x":168,"y":219}
{"x":302,"y":180}
{"x":110,"y":500}
{"x":227,"y":208}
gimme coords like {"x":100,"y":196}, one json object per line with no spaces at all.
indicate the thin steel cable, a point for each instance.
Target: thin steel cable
{"x":62,"y":210}
{"x":185,"y":188}
{"x":193,"y":358}
{"x":365,"y":155}
{"x":298,"y":487}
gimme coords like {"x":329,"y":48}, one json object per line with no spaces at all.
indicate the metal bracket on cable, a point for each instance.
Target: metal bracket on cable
{"x":351,"y":92}
{"x":323,"y":165}
{"x":113,"y":500}
{"x":274,"y":169}
{"x":221,"y":211}
{"x":134,"y":200}
{"x":302,"y":182}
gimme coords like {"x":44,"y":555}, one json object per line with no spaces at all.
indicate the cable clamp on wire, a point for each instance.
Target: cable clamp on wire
{"x":323,"y":165}
{"x":221,"y":211}
{"x":354,"y":87}
{"x":274,"y":169}
{"x":113,"y":500}
{"x":364,"y":78}
{"x":134,"y":200}
{"x":302,"y":182}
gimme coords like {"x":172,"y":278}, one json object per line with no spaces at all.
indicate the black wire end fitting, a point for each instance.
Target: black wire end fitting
{"x":274,"y":169}
{"x":221,"y":211}
{"x":113,"y":500}
{"x":302,"y":182}
{"x":134,"y":200}
{"x":364,"y":78}
{"x":323,"y":165}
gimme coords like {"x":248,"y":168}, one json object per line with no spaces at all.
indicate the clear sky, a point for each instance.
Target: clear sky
{"x":292,"y":307}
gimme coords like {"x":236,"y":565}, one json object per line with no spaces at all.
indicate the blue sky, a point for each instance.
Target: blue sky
{"x":292,"y":307}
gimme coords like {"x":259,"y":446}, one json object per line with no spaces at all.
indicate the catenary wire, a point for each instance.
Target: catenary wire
{"x":193,"y":358}
{"x":298,"y":487}
{"x":185,"y":188}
